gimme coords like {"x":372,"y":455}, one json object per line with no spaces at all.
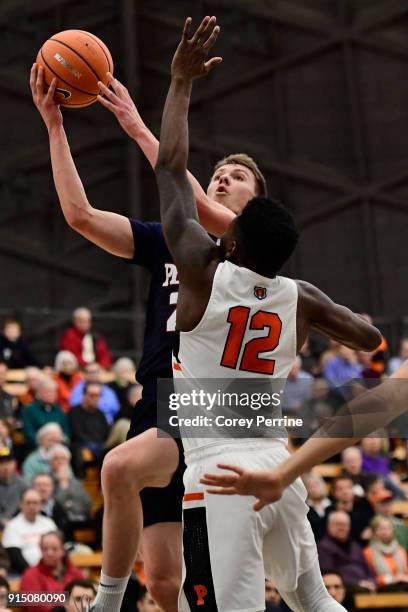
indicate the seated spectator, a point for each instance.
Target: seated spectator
{"x":335,"y":586}
{"x":88,"y":424}
{"x":83,"y":342}
{"x":21,"y":537}
{"x":67,"y":377}
{"x":14,"y":350}
{"x":298,"y":388}
{"x":4,"y":592}
{"x":352,"y":462}
{"x":69,"y":492}
{"x":120,"y":428}
{"x":396,"y":362}
{"x":52,"y":573}
{"x":33,"y":378}
{"x":5,"y":435}
{"x":319,"y":407}
{"x":43,"y":410}
{"x":125,"y":372}
{"x":386,"y":558}
{"x":341,"y":367}
{"x":318,"y":503}
{"x":273,"y":600}
{"x":374,"y":460}
{"x":11,"y":486}
{"x":342,"y":494}
{"x":370,"y":370}
{"x":44,"y":485}
{"x":4,"y":562}
{"x":80,"y":593}
{"x":146,"y":603}
{"x":337,"y":549}
{"x":385,"y":508}
{"x":108,"y":402}
{"x":8,"y":403}
{"x":38,"y":460}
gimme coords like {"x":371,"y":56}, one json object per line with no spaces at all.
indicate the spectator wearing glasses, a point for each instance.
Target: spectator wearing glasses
{"x":21,"y":537}
{"x":89,"y":425}
{"x":108,"y":401}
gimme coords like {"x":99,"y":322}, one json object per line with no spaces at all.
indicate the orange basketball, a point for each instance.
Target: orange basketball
{"x":79,"y":60}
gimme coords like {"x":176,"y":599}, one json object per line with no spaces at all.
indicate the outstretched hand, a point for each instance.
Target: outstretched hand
{"x":189,"y":61}
{"x":266,"y":486}
{"x":120,"y":103}
{"x":43,"y":97}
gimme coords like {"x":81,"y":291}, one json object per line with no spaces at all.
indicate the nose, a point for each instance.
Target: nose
{"x":224,"y":179}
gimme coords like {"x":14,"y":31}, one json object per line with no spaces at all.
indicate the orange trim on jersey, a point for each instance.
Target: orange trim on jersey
{"x":176,"y":366}
{"x":193,"y":497}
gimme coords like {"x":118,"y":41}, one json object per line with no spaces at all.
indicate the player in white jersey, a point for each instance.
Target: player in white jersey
{"x":224,"y":328}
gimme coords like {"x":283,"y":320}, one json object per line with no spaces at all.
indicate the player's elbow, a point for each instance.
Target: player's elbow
{"x":371,"y":340}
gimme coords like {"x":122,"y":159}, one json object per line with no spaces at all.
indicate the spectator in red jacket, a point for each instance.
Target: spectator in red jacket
{"x":52,"y":573}
{"x":85,"y":344}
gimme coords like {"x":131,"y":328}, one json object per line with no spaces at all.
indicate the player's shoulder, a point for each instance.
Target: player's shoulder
{"x":153,"y":227}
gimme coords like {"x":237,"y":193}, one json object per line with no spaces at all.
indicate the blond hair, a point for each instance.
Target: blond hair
{"x":245,"y":160}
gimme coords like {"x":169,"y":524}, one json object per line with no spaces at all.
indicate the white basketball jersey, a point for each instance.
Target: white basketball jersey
{"x":247,"y":331}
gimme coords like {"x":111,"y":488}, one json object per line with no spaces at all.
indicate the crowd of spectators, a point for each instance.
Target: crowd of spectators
{"x":66,"y":417}
{"x":59,"y":421}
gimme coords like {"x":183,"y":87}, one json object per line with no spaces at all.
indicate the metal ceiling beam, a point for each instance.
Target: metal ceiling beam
{"x":35,"y":157}
{"x":12,"y":245}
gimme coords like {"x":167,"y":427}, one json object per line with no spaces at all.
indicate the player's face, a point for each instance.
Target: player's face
{"x":232,"y":185}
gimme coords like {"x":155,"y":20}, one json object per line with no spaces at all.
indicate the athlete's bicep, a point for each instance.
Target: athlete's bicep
{"x":335,"y":320}
{"x":108,"y":230}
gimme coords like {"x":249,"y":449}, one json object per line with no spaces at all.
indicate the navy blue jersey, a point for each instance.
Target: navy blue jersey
{"x":152,"y":253}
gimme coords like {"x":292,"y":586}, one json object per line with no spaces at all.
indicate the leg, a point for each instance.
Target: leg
{"x":161,"y":551}
{"x":311,"y":595}
{"x":144,"y":461}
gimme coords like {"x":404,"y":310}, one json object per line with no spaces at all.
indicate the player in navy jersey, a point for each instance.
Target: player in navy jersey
{"x":146,"y":471}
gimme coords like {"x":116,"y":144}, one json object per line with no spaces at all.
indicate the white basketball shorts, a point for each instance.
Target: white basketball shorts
{"x":228,"y":549}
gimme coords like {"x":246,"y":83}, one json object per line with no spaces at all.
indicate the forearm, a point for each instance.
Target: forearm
{"x":173,"y":149}
{"x":71,"y":193}
{"x":366,"y":413}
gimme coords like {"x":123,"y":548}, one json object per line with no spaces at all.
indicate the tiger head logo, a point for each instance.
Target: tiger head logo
{"x":260,"y":292}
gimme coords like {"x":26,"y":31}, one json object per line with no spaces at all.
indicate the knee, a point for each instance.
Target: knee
{"x":116,"y":473}
{"x":164,"y":590}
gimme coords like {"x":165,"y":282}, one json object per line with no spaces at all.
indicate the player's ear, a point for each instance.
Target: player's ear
{"x":231,"y":249}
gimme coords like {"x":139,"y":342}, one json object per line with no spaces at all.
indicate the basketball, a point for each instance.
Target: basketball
{"x":79,"y":60}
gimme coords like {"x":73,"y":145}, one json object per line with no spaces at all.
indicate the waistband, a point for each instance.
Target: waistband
{"x":218,"y":448}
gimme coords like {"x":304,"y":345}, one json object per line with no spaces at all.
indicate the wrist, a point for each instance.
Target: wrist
{"x":54,"y":129}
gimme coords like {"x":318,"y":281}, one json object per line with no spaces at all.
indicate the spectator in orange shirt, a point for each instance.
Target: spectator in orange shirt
{"x":67,"y":377}
{"x":385,"y":557}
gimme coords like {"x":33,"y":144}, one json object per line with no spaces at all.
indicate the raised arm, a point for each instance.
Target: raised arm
{"x":366,"y":413}
{"x":110,"y":231}
{"x":318,"y":311}
{"x":188,"y":243}
{"x":214,"y":217}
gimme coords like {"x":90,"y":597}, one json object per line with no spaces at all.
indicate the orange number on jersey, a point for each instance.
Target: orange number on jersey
{"x":250,"y":362}
{"x":238,"y":318}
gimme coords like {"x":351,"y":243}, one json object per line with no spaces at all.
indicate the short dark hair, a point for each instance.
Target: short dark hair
{"x":341,"y":477}
{"x":4,"y":583}
{"x":81,"y":582}
{"x":332,"y":572}
{"x":370,"y":480}
{"x":88,"y":383}
{"x":267,"y":235}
